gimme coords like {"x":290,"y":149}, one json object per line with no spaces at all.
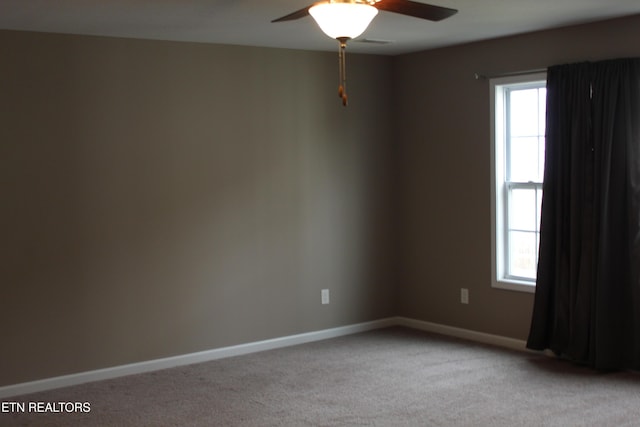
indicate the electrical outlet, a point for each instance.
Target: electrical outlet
{"x":325,"y":296}
{"x":464,"y":296}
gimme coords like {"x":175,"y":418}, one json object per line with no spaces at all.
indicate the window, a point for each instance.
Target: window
{"x":518,"y":106}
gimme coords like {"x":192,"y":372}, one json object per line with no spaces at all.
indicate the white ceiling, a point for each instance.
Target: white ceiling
{"x":247,"y":22}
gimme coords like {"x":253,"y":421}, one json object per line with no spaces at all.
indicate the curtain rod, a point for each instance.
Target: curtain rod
{"x":479,"y":76}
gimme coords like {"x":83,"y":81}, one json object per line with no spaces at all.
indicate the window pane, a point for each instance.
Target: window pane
{"x":524,"y":159}
{"x":538,"y":208}
{"x":523,"y":209}
{"x":542,"y":111}
{"x":524,"y":112}
{"x":522,"y":254}
{"x":541,"y":157}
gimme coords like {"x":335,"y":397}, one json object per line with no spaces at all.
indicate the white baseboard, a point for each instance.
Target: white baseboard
{"x":238,"y":350}
{"x":466,"y":334}
{"x":187,"y":359}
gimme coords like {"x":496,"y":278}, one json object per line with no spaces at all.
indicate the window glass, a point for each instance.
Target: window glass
{"x":524,"y":157}
{"x":522,"y":259}
{"x":522,"y":210}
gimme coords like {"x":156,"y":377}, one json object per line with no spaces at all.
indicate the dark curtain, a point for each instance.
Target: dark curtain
{"x":587,"y":301}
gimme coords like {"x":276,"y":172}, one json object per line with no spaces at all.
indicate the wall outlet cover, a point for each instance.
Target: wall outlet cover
{"x":325,"y":296}
{"x":464,"y":296}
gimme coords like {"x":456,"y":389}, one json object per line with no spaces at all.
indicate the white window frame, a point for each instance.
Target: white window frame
{"x":499,"y":278}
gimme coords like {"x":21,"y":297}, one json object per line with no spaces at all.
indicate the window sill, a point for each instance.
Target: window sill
{"x":515,"y":285}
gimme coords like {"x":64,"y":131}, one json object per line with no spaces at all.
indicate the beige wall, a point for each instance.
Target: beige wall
{"x":164,"y":198}
{"x":444,"y":185}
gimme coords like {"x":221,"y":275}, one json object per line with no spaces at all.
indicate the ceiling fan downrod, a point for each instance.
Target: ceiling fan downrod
{"x":342,"y":59}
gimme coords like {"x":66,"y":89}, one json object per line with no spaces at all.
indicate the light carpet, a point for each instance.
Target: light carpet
{"x":388,"y":377}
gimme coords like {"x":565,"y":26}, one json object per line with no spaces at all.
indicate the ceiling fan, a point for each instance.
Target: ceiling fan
{"x":347,"y":19}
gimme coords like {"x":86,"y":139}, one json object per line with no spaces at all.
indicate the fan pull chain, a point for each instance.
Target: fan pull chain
{"x":342,"y":59}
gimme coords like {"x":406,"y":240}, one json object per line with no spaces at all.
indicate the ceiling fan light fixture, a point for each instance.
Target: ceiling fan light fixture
{"x":343,"y":19}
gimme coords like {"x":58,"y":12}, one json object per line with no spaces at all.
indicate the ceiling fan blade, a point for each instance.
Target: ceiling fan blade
{"x":295,"y":15}
{"x":418,"y":10}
